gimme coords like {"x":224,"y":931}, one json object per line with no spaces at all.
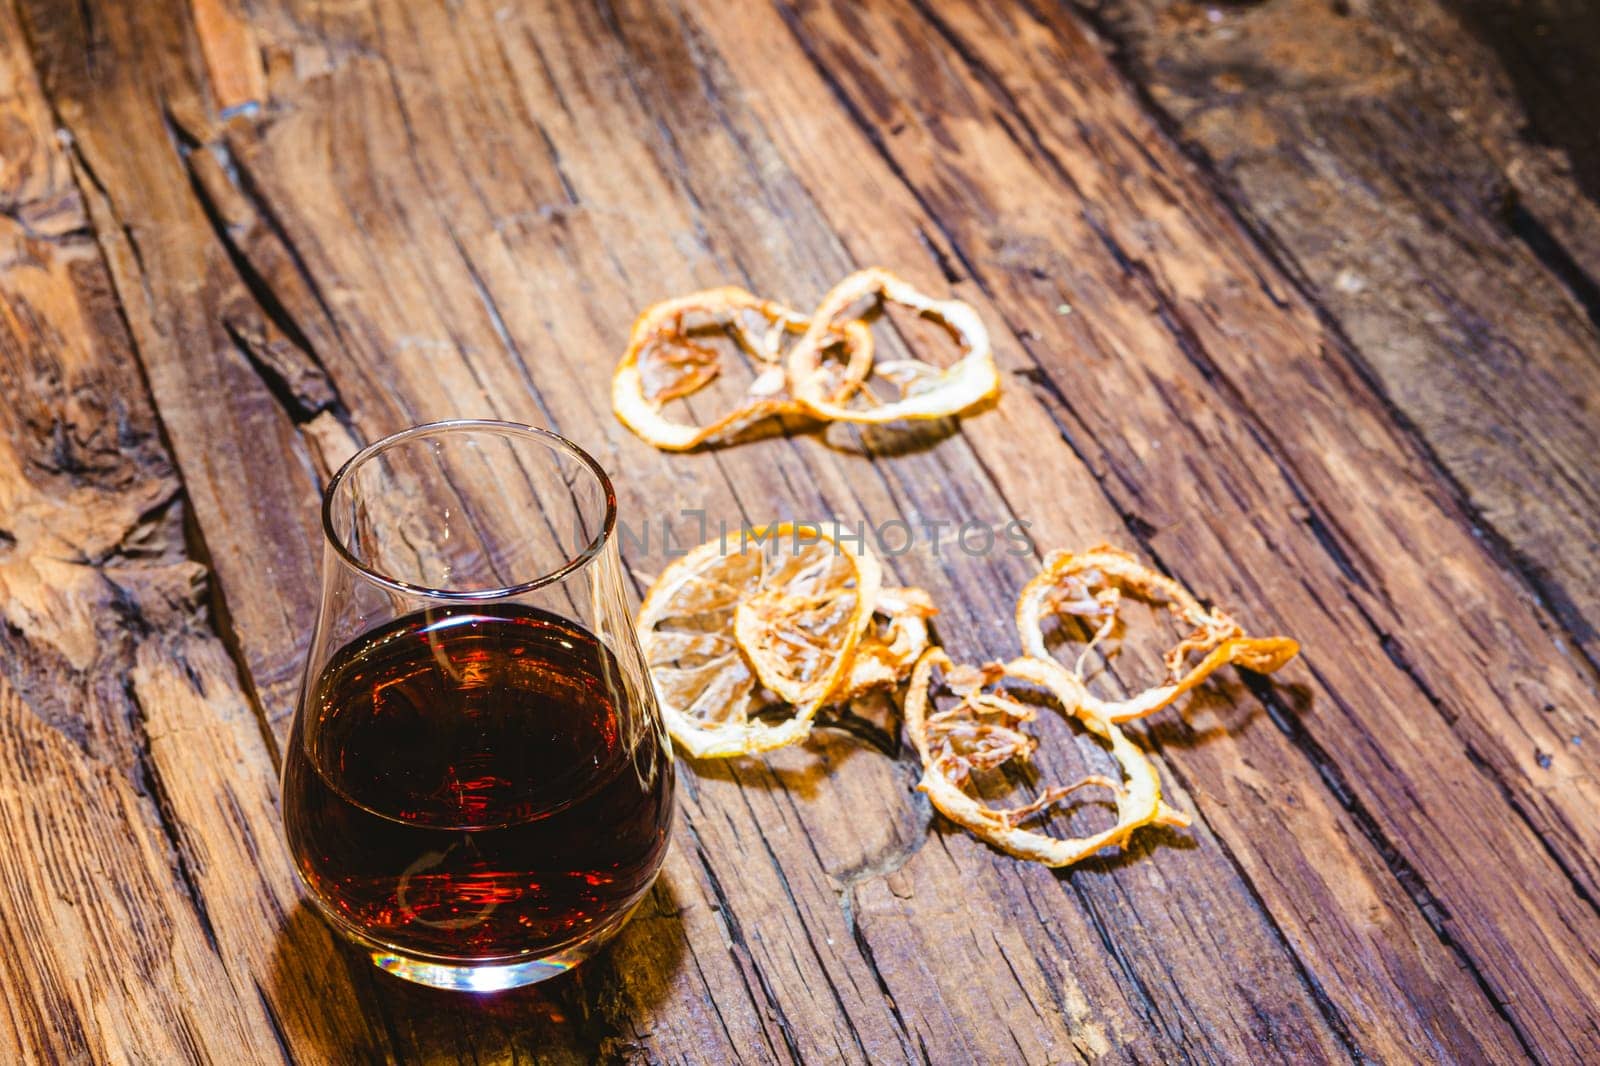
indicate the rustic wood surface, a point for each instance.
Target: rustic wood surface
{"x":1294,"y":298}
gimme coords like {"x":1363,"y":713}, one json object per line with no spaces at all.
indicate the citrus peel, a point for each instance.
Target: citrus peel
{"x":733,"y":638}
{"x":800,"y":629}
{"x":926,"y":391}
{"x":894,"y":640}
{"x":729,"y":633}
{"x":1091,"y":586}
{"x":664,"y":361}
{"x":982,"y":731}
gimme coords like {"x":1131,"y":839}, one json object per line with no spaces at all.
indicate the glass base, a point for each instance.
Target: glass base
{"x":488,"y":975}
{"x":485,"y":977}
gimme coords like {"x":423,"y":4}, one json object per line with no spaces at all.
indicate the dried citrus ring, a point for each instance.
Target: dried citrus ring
{"x":894,"y":640}
{"x":664,"y":362}
{"x":801,"y":629}
{"x":927,"y":391}
{"x":1090,"y":585}
{"x":982,"y":732}
{"x":706,"y":689}
{"x":717,"y":662}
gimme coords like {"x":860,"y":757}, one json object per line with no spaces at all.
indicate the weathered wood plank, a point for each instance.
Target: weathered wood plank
{"x":451,"y":209}
{"x":1509,"y":78}
{"x":181,"y":297}
{"x":142,"y":878}
{"x":524,"y":301}
{"x":767,"y":895}
{"x":1454,"y":259}
{"x":1139,"y":237}
{"x":790,"y":903}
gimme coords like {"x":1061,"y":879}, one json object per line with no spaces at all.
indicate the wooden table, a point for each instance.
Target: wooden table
{"x":1296,"y":299}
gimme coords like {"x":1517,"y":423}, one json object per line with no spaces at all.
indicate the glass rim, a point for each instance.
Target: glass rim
{"x":553,"y":440}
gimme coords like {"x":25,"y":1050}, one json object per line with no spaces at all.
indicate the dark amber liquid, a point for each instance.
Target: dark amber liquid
{"x":465,"y":785}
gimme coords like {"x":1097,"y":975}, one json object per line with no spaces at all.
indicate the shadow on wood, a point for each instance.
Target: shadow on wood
{"x":583,"y":1012}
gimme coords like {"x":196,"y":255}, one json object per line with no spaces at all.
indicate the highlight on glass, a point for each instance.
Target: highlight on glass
{"x":477,"y":787}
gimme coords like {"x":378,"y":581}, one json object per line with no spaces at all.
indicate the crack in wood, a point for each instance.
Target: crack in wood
{"x":275,"y":346}
{"x":1546,"y":248}
{"x":301,"y":392}
{"x":277,"y":1025}
{"x":1327,"y":768}
{"x":484,"y":281}
{"x":1191,"y":349}
{"x":1436,"y":914}
{"x":811,"y":943}
{"x":171,"y":827}
{"x":1550,"y":591}
{"x":498,"y":320}
{"x":219,"y":617}
{"x":740,"y":949}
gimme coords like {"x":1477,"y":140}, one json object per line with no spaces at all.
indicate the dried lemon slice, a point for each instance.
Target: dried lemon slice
{"x":1091,"y":585}
{"x":895,"y":638}
{"x":802,"y":627}
{"x":982,"y":732}
{"x":665,"y":361}
{"x":927,"y":391}
{"x":738,"y":626}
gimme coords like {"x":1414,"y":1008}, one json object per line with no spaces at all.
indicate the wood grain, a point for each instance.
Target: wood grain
{"x":455,"y":207}
{"x":1460,"y":258}
{"x":1200,"y":317}
{"x":145,"y":888}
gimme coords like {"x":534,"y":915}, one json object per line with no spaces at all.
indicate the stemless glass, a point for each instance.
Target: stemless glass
{"x":478,"y":786}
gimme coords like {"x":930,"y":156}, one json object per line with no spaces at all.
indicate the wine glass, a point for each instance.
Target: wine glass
{"x":477,"y":787}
